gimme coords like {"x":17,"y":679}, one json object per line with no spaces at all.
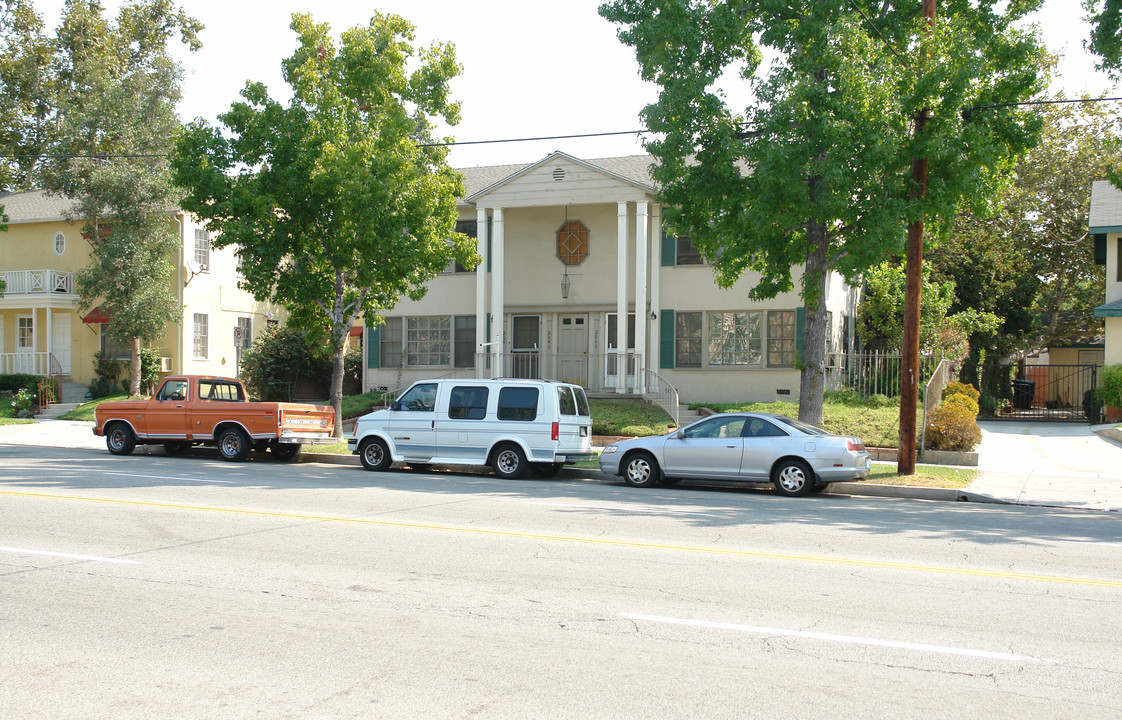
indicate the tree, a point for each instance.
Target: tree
{"x":25,"y":106}
{"x":814,"y":173}
{"x":342,"y":202}
{"x":1105,"y":17}
{"x":116,"y":86}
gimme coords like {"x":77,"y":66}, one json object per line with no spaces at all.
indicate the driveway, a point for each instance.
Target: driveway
{"x":1063,"y":464}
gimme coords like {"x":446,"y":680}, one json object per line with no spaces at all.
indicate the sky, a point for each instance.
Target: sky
{"x":530,"y":69}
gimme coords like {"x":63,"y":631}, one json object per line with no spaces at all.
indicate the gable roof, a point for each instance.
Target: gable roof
{"x":1106,"y":208}
{"x":34,"y":206}
{"x":630,"y":169}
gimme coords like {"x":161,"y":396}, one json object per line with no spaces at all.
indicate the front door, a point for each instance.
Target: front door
{"x":60,"y":342}
{"x":572,"y":349}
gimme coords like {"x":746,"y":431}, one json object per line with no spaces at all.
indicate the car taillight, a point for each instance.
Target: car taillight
{"x":556,"y":433}
{"x":854,"y":446}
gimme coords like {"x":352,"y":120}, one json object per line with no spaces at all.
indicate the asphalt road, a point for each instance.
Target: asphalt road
{"x":147,"y":587}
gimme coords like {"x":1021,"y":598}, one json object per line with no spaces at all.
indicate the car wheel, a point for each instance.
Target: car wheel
{"x":175,"y":448}
{"x":120,"y":439}
{"x":284,"y":451}
{"x":233,"y":445}
{"x":640,"y":470}
{"x":792,"y":478}
{"x":374,"y":454}
{"x":546,"y":470}
{"x":509,"y":461}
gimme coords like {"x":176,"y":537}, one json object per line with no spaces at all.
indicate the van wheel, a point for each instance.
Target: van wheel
{"x":120,"y":439}
{"x":509,"y":462}
{"x":233,"y":445}
{"x":546,"y":470}
{"x":374,"y":454}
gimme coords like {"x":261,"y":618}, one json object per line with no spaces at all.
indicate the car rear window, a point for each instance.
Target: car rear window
{"x":516,"y":403}
{"x":229,"y":392}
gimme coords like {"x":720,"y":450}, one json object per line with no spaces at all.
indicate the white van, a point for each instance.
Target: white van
{"x":511,"y":425}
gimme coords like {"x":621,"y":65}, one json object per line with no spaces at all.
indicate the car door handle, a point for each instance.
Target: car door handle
{"x":733,"y":447}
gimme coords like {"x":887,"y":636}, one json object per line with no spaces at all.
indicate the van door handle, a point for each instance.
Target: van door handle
{"x":433,"y":424}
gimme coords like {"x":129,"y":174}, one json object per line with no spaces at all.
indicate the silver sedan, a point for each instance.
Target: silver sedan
{"x":745,"y":447}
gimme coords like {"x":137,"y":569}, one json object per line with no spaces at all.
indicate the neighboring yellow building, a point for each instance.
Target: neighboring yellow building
{"x":1105,"y":224}
{"x":42,"y":332}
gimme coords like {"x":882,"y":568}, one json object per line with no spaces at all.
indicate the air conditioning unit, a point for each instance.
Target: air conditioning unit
{"x":165,"y":364}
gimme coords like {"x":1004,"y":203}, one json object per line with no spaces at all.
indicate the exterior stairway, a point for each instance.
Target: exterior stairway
{"x":687,"y":416}
{"x":72,"y":395}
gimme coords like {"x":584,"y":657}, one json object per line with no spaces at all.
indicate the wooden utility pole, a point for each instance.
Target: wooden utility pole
{"x":913,"y":279}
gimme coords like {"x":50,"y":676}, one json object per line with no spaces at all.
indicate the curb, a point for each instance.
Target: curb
{"x":909,"y":492}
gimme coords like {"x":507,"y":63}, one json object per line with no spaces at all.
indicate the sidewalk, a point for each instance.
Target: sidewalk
{"x":1048,"y":464}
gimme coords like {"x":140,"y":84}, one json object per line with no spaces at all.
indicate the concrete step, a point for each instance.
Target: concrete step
{"x":72,"y":392}
{"x":56,"y":410}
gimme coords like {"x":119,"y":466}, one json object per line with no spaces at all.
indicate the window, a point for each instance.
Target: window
{"x":758,"y":427}
{"x":428,"y":341}
{"x":271,"y":323}
{"x":464,"y":227}
{"x":687,"y":339}
{"x":173,"y":390}
{"x":390,"y":352}
{"x":685,"y":253}
{"x":613,"y":324}
{"x":110,"y":348}
{"x":468,"y":403}
{"x":245,"y":326}
{"x":201,"y":338}
{"x":224,"y":391}
{"x":735,"y":338}
{"x":419,"y":398}
{"x":516,"y":403}
{"x":202,"y":248}
{"x":572,"y":242}
{"x":464,"y":341}
{"x":582,"y":401}
{"x":726,"y":427}
{"x":26,"y":339}
{"x":565,"y":401}
{"x":60,"y":243}
{"x":781,"y":338}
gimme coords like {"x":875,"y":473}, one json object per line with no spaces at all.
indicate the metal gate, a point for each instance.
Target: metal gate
{"x":1035,"y":393}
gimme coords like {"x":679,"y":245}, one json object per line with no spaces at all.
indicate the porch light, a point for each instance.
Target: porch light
{"x":565,"y":285}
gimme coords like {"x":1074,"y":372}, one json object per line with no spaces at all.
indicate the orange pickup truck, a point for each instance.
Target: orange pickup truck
{"x":205,"y":410}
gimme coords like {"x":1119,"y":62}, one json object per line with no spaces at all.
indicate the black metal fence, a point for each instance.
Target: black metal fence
{"x":1042,"y":393}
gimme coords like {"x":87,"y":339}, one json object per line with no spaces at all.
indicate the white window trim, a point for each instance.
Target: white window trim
{"x":59,"y":240}
{"x":705,"y":341}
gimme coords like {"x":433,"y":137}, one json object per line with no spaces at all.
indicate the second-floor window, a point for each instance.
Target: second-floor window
{"x":202,"y":248}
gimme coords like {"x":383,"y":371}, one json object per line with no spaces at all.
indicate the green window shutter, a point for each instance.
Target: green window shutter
{"x":800,"y":324}
{"x":669,"y":248}
{"x":373,"y":347}
{"x":666,"y":339}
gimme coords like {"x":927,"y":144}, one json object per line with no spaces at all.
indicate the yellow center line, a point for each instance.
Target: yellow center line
{"x":587,"y":540}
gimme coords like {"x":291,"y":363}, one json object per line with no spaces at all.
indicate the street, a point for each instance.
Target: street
{"x":148,"y":586}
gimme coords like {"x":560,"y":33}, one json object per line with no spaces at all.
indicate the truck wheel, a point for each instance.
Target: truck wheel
{"x":233,"y":445}
{"x":509,"y":461}
{"x":120,"y":439}
{"x":285,"y":451}
{"x":374,"y":454}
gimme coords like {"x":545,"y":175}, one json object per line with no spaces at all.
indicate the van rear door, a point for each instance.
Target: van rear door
{"x":575,"y":423}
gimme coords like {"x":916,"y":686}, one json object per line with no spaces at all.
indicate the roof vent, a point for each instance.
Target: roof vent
{"x":558,"y":174}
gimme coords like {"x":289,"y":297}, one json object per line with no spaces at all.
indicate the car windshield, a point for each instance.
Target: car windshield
{"x":800,"y":426}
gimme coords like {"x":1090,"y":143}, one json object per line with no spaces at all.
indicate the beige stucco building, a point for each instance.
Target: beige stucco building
{"x":42,"y":331}
{"x":1105,"y":223}
{"x":569,"y":246}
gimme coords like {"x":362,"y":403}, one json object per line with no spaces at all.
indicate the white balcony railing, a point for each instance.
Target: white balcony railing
{"x":37,"y":282}
{"x":28,"y":363}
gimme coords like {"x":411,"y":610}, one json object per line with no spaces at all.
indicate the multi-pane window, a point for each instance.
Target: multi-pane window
{"x":686,"y":253}
{"x":464,"y":340}
{"x":428,"y":341}
{"x":687,"y":339}
{"x":202,"y":248}
{"x":735,"y":338}
{"x":201,"y":336}
{"x":60,"y":243}
{"x":245,"y":325}
{"x":464,"y":227}
{"x":390,"y":352}
{"x":781,"y":338}
{"x":26,"y":333}
{"x":111,"y":348}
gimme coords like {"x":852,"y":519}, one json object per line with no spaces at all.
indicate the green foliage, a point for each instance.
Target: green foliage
{"x":341,"y":202}
{"x":25,"y":130}
{"x":1109,"y":392}
{"x":628,"y":417}
{"x":149,"y":369}
{"x":966,"y":402}
{"x":952,"y":426}
{"x":957,"y":388}
{"x":16,"y":381}
{"x":23,"y":400}
{"x":85,"y":411}
{"x":1105,"y":17}
{"x":279,"y":360}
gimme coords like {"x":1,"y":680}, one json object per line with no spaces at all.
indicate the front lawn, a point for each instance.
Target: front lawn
{"x":86,"y":410}
{"x":8,"y":411}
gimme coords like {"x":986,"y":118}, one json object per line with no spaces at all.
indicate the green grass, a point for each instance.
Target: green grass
{"x":937,"y":476}
{"x":628,"y":417}
{"x":7,"y":411}
{"x":86,"y":410}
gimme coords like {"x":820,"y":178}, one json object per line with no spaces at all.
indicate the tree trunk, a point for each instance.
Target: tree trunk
{"x":134,"y":369}
{"x":812,"y":375}
{"x":337,"y":368}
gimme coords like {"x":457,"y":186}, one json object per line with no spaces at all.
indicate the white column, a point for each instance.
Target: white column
{"x":641,"y":317}
{"x":497,"y":311}
{"x":621,"y":297}
{"x":656,"y":271}
{"x":481,"y":292}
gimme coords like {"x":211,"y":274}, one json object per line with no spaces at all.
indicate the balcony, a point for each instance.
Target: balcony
{"x":37,"y":282}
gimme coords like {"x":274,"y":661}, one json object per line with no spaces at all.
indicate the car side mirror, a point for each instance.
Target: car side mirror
{"x":395,"y":405}
{"x":679,"y":435}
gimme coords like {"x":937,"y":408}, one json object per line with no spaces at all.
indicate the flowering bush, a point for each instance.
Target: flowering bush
{"x":952,"y":426}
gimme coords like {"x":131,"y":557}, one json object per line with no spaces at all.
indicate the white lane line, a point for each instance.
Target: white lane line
{"x":68,"y":556}
{"x":644,"y":510}
{"x":168,"y":477}
{"x":833,"y":638}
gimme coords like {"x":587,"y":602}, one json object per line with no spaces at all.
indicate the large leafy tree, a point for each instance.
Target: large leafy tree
{"x":341,"y":202}
{"x":1105,"y":17}
{"x":813,"y":173}
{"x":114,"y":90}
{"x":25,"y":105}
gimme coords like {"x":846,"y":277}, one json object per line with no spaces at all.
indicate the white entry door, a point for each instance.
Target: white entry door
{"x":572,"y":348}
{"x":60,"y":342}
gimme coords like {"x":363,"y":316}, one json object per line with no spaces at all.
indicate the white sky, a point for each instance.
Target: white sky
{"x":530,"y":69}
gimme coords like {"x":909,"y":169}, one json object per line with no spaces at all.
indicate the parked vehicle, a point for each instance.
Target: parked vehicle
{"x":511,"y":425}
{"x":745,"y":447}
{"x":206,"y":410}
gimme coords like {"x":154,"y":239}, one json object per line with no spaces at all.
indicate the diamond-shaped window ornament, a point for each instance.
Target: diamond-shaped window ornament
{"x":572,"y":242}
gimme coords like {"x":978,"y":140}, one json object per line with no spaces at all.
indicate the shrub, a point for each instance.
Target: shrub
{"x":279,"y":360}
{"x":963,"y":401}
{"x":23,"y":401}
{"x":951,"y":426}
{"x":1110,"y":391}
{"x":957,"y":388}
{"x":18,"y":381}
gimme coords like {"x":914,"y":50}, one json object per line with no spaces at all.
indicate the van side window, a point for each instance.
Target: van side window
{"x":419,"y":397}
{"x":565,"y":401}
{"x":468,"y":403}
{"x":518,"y":403}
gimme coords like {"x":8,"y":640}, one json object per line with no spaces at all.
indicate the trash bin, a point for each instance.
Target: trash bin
{"x":1023,"y":392}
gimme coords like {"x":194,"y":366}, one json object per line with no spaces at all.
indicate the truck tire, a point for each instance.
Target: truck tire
{"x":120,"y":439}
{"x":233,"y":445}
